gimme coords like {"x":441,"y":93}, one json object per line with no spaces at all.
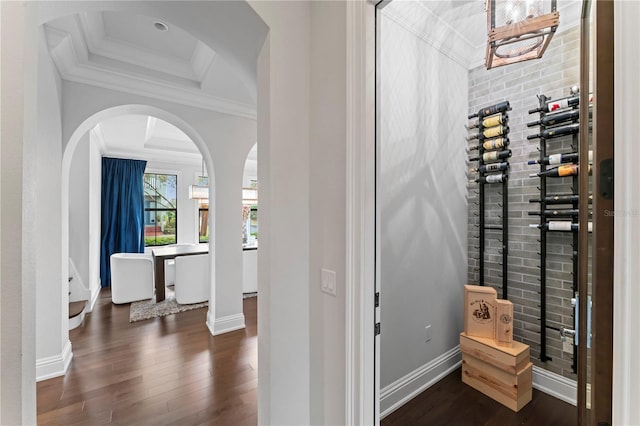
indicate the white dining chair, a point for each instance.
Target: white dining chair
{"x":131,"y":277}
{"x":193,"y":283}
{"x":170,"y":266}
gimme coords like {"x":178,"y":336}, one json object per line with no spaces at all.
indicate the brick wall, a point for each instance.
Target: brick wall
{"x":552,"y":75}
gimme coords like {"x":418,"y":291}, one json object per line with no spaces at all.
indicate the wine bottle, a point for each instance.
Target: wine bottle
{"x":560,"y":171}
{"x":492,"y":167}
{"x":490,"y":110}
{"x":497,"y":178}
{"x":563,"y":103}
{"x":556,"y":132}
{"x":561,"y":225}
{"x":490,"y":132}
{"x":557,"y":118}
{"x":493,"y":156}
{"x":556,"y":213}
{"x":492,"y":144}
{"x":560,"y":199}
{"x":560,"y":158}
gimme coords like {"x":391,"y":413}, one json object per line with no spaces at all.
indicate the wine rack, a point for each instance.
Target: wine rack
{"x":558,"y":211}
{"x":493,"y":169}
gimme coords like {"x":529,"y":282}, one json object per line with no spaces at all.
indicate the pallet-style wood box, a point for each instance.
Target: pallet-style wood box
{"x":500,"y":372}
{"x":480,"y":311}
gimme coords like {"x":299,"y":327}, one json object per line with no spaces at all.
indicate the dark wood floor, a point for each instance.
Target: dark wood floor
{"x":164,"y":371}
{"x":451,"y":402}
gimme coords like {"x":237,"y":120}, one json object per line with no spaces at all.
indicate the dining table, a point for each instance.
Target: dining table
{"x":161,"y":254}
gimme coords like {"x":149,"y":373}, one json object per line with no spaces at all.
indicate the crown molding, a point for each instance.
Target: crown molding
{"x":75,"y":63}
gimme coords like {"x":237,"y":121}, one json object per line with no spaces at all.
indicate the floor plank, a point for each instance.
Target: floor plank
{"x":451,"y":402}
{"x":166,"y":370}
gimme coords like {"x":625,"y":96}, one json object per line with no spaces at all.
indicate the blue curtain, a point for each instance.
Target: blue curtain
{"x":122,"y":211}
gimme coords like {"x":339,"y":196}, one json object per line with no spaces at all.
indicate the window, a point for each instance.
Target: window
{"x":160,"y":212}
{"x":203,"y":221}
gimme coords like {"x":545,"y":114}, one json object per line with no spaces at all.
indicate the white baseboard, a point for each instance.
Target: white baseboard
{"x":94,"y":298}
{"x":225,"y":324}
{"x":555,"y":385}
{"x":54,"y":366}
{"x":404,"y":389}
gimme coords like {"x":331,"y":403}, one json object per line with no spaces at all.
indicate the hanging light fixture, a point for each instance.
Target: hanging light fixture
{"x":200,"y":191}
{"x":519,"y":30}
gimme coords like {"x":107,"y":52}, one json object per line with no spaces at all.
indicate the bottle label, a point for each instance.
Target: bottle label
{"x":556,"y":105}
{"x":492,"y":121}
{"x":555,"y":159}
{"x":559,"y":226}
{"x":494,"y":178}
{"x":493,"y":131}
{"x":492,"y":167}
{"x":490,"y":156}
{"x":493,"y":144}
{"x":568,"y":170}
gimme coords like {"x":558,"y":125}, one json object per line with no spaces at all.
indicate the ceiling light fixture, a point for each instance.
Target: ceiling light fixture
{"x":160,"y":26}
{"x":524,"y":30}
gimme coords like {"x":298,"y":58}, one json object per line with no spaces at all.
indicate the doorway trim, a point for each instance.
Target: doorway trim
{"x":362,"y":395}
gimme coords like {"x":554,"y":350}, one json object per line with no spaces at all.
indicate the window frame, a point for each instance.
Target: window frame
{"x":155,"y":210}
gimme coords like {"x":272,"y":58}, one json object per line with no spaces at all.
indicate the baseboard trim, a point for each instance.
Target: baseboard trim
{"x":226,"y":324}
{"x":404,"y":389}
{"x":94,"y":298}
{"x":54,"y":366}
{"x":555,"y":385}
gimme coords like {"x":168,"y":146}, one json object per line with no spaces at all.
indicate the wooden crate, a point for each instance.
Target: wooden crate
{"x":511,"y":390}
{"x":504,"y":322}
{"x":479,"y":311}
{"x":508,"y":358}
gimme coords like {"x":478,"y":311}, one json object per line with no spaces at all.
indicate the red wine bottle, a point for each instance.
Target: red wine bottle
{"x":497,"y":178}
{"x":556,"y":132}
{"x":490,"y":132}
{"x":563,"y":103}
{"x":556,"y":213}
{"x":492,"y":144}
{"x":560,"y":199}
{"x":490,"y":110}
{"x":561,"y":225}
{"x":489,"y":157}
{"x":560,"y":158}
{"x":492,"y":167}
{"x":557,"y":118}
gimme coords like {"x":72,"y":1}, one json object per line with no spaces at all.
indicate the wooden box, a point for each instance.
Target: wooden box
{"x":511,"y":390}
{"x":479,"y":311}
{"x":504,"y":322}
{"x":509,"y":358}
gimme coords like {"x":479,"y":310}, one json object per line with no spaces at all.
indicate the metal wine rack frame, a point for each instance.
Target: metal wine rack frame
{"x":481,"y":209}
{"x":543,"y":100}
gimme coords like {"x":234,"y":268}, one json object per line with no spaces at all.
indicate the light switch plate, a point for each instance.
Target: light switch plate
{"x":328,"y":281}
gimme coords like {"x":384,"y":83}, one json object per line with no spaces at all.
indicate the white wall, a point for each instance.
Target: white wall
{"x":95,"y":216}
{"x":53,"y":350}
{"x":626,"y":334}
{"x":327,"y":208}
{"x":17,"y":291}
{"x":79,"y":226}
{"x":422,"y":189}
{"x":283,"y":262}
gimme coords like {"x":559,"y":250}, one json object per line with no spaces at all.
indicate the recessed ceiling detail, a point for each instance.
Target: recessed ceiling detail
{"x":128,"y":53}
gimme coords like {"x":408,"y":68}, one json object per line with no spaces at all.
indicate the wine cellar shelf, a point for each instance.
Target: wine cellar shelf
{"x":557,"y":119}
{"x":493,"y":168}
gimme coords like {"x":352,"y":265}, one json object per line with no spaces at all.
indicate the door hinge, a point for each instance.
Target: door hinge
{"x":377,"y":300}
{"x":377,"y":329}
